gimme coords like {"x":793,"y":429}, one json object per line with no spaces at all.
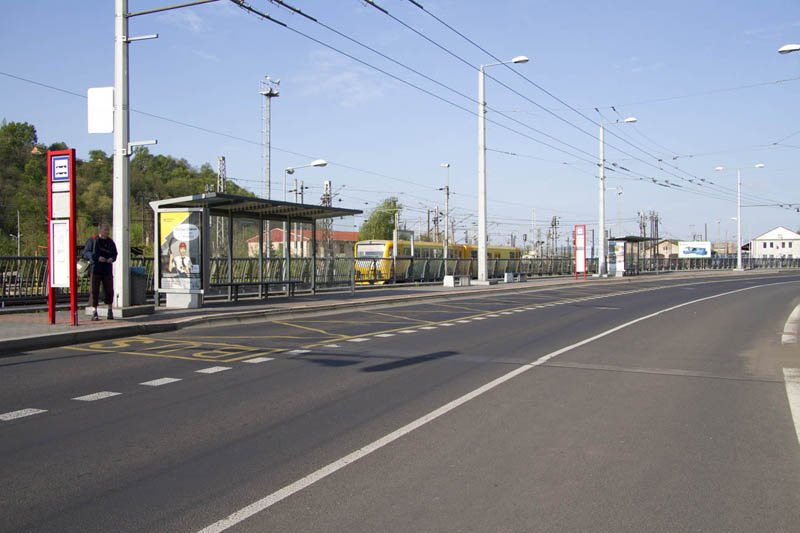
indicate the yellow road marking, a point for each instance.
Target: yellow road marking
{"x":402,"y":317}
{"x":307,"y":328}
{"x":132,"y":353}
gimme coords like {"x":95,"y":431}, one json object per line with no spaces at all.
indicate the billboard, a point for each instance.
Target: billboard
{"x":694,"y":249}
{"x":181,"y":252}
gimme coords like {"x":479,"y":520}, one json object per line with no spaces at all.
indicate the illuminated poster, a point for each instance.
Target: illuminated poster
{"x":181,"y":249}
{"x":616,"y":258}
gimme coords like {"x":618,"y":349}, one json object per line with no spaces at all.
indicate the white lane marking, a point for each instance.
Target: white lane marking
{"x":22,"y":413}
{"x":447,"y":324}
{"x":160,"y":381}
{"x":331,"y":346}
{"x":479,"y":318}
{"x":506,"y":313}
{"x":530,"y":308}
{"x":97,"y":396}
{"x":519,"y":310}
{"x":385,"y":335}
{"x":790,"y":328}
{"x":493,"y":316}
{"x":408,"y":331}
{"x":428,"y":327}
{"x":357,"y":340}
{"x":213,"y":369}
{"x":791,"y":377}
{"x":258,"y":360}
{"x":281,"y":494}
{"x":463,"y":321}
{"x":297,"y":352}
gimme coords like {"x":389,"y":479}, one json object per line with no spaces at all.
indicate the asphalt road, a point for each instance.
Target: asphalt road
{"x":655,"y":405}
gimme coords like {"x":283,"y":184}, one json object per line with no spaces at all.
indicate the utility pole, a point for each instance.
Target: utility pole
{"x":268,"y":88}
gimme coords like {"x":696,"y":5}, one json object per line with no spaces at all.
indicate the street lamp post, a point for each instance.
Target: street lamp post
{"x":288,"y":171}
{"x":601,"y":258}
{"x":739,"y":214}
{"x":482,"y":229}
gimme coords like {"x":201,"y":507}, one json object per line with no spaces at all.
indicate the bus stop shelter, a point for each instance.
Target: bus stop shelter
{"x":182,"y":237}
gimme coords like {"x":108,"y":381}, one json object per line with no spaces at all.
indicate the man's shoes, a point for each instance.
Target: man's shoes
{"x":95,"y":318}
{"x":110,"y":315}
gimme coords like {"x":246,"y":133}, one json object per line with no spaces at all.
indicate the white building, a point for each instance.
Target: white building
{"x":776,"y":243}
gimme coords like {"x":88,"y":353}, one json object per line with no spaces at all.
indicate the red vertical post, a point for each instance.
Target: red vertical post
{"x":60,"y":181}
{"x":73,"y":270}
{"x":51,"y":298}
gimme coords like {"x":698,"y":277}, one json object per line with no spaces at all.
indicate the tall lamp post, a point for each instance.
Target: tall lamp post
{"x":482,"y":229}
{"x":601,"y":258}
{"x":739,"y":213}
{"x":288,"y":171}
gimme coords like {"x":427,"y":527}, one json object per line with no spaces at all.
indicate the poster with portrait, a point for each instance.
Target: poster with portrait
{"x":181,"y":252}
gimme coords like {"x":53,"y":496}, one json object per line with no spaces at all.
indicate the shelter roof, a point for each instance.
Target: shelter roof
{"x":221,"y":204}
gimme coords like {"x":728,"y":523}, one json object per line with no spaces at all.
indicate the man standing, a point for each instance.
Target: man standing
{"x":101,"y":251}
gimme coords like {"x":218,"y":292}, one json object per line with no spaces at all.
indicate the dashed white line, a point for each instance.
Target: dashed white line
{"x":331,"y":346}
{"x":213,"y":369}
{"x":360,"y":339}
{"x":519,"y":310}
{"x":160,"y":381}
{"x":271,"y":499}
{"x":493,"y":316}
{"x":463,"y":321}
{"x":479,"y":318}
{"x":297,"y":352}
{"x":97,"y":396}
{"x":791,"y":377}
{"x":447,"y":324}
{"x":258,"y":360}
{"x":385,"y":335}
{"x":407,"y":331}
{"x":428,"y":327}
{"x":22,"y":413}
{"x":506,"y":313}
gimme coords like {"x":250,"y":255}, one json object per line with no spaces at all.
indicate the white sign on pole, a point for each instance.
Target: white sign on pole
{"x":59,"y":253}
{"x":101,"y":110}
{"x":580,"y":249}
{"x":60,"y":171}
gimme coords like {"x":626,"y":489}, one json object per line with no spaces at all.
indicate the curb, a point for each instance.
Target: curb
{"x":20,"y":345}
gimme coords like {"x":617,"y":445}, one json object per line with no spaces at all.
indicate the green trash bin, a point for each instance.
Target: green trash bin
{"x":138,"y":285}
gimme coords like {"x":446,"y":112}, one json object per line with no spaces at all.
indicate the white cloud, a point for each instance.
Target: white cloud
{"x":186,"y":19}
{"x":338,"y":79}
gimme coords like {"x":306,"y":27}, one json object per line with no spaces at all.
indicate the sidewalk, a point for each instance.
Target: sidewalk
{"x":20,"y":332}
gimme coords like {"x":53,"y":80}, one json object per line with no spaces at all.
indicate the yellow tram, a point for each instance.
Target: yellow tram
{"x":374,"y":257}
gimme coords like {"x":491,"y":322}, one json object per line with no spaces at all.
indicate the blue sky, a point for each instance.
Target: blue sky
{"x":702,"y":78}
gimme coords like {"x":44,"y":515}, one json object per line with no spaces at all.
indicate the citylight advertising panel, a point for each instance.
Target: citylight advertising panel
{"x":181,"y":249}
{"x":694,"y":249}
{"x":616,"y":258}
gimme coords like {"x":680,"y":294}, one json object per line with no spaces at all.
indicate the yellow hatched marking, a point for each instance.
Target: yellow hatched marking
{"x":307,"y":328}
{"x":402,"y":318}
{"x":188,"y":358}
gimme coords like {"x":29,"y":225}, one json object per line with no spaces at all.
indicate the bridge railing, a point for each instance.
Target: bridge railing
{"x":24,"y":279}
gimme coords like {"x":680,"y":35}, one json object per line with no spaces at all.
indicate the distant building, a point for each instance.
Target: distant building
{"x":341,"y":244}
{"x":776,"y":243}
{"x":668,"y":248}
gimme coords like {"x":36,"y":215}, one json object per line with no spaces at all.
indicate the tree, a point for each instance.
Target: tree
{"x":380,"y":223}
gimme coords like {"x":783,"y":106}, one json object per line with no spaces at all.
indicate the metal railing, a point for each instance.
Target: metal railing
{"x":24,"y":279}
